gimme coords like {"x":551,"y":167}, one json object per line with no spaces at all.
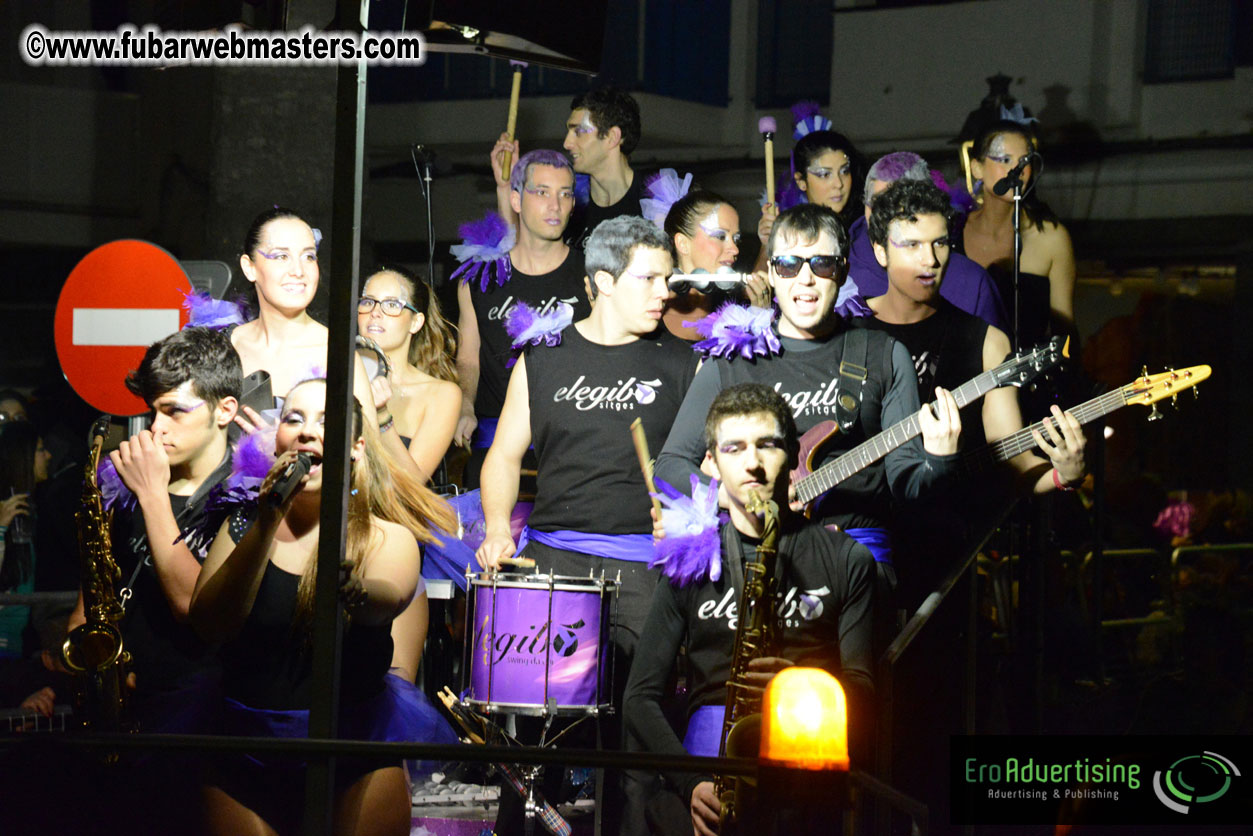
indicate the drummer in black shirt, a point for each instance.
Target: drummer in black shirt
{"x":576,"y":401}
{"x":824,"y":603}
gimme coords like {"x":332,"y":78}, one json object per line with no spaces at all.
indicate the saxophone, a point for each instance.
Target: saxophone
{"x":756,"y":635}
{"x":93,"y":651}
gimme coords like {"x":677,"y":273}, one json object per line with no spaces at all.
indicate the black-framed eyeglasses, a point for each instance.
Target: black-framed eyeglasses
{"x":391,"y":307}
{"x":822,"y":266}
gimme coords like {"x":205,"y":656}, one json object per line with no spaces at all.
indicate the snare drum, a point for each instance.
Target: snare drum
{"x":539,"y":644}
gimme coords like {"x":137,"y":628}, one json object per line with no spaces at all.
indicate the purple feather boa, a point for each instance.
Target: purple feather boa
{"x":484,"y":251}
{"x":691,"y":549}
{"x":958,"y":197}
{"x":205,"y":311}
{"x":664,"y":189}
{"x":737,"y":330}
{"x":525,"y":326}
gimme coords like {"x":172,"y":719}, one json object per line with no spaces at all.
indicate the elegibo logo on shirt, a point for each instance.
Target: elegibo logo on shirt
{"x":499,"y":312}
{"x":793,"y":608}
{"x":819,"y":401}
{"x":623,"y":395}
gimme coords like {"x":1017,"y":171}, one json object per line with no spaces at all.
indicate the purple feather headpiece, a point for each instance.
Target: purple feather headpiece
{"x":205,"y":311}
{"x":664,"y":189}
{"x":525,"y":326}
{"x":253,"y":457}
{"x":691,"y":549}
{"x":1017,"y":114}
{"x":808,"y":119}
{"x":737,"y":330}
{"x":113,"y":490}
{"x":484,"y":251}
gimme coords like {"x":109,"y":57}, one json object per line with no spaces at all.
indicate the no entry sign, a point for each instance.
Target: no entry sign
{"x":118,"y":300}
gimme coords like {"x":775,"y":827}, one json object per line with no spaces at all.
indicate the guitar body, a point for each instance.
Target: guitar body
{"x":811,"y":445}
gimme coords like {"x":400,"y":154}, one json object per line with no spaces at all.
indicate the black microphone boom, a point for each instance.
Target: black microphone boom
{"x":1013,"y":178}
{"x":286,"y":484}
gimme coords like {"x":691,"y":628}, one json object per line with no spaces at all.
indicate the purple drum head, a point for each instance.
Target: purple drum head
{"x":532,"y":643}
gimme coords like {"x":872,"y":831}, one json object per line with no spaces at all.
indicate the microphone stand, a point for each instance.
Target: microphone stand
{"x":1017,"y":221}
{"x":423,"y":158}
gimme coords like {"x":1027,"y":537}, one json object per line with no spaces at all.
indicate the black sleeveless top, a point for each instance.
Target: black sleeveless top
{"x":947,"y":349}
{"x":589,"y":215}
{"x":565,"y":284}
{"x":269,"y":664}
{"x":583,"y":398}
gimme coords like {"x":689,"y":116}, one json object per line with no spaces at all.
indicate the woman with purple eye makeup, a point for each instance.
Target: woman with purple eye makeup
{"x":1047,"y":265}
{"x":280,"y":260}
{"x":705,"y":230}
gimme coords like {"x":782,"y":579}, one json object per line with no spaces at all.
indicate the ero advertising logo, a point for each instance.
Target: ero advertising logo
{"x":1194,"y":779}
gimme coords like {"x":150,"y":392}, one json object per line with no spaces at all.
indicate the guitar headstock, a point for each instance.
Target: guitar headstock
{"x":1148,"y":389}
{"x":1029,"y":363}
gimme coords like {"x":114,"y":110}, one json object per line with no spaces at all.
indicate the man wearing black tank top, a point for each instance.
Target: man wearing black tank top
{"x":543,"y":274}
{"x":824,"y":374}
{"x":576,"y":402}
{"x":910,"y":235}
{"x":192,"y":381}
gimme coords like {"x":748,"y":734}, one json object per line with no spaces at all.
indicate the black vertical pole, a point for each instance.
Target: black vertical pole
{"x":344,"y":278}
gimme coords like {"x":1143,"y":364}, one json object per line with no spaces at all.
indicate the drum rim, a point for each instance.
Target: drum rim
{"x":563,"y":583}
{"x":536,"y":709}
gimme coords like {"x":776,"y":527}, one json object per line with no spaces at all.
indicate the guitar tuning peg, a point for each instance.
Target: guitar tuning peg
{"x":1155,"y":415}
{"x":1174,"y":400}
{"x":1144,"y":372}
{"x":1196,"y":393}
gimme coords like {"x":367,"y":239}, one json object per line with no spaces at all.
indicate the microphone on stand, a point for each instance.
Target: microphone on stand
{"x":1014,"y":177}
{"x":286,"y":484}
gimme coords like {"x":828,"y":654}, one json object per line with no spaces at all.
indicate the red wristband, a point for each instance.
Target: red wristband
{"x":1058,"y":483}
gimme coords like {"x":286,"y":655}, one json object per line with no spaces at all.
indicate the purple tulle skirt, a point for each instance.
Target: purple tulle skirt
{"x":398,"y":713}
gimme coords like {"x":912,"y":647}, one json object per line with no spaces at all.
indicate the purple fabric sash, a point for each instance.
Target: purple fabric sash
{"x":878,"y":540}
{"x":704,"y":731}
{"x":637,"y":548}
{"x":484,"y":433}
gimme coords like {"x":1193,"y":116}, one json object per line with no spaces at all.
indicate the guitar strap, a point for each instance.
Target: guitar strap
{"x":853,"y":375}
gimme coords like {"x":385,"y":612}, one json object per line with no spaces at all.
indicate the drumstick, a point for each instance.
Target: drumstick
{"x":646,"y":463}
{"x":521,"y":562}
{"x":768,"y":126}
{"x":512,"y":124}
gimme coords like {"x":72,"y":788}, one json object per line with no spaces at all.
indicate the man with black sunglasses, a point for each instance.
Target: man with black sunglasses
{"x":862,"y":380}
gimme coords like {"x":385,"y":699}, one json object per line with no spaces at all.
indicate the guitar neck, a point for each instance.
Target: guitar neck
{"x":1021,"y":441}
{"x":876,"y":447}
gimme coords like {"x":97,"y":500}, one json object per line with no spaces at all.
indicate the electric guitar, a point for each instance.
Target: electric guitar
{"x":1145,"y":390}
{"x":1019,"y":370}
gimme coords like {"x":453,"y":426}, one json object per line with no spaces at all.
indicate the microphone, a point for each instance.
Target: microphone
{"x":286,"y":484}
{"x":703,"y":281}
{"x":1014,"y":177}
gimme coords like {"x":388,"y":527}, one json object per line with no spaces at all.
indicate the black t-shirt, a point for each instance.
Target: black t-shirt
{"x":565,"y":284}
{"x":806,"y":373}
{"x":269,"y":664}
{"x":825,"y":602}
{"x":589,"y":215}
{"x":583,"y":398}
{"x":947,"y":348}
{"x":165,"y":653}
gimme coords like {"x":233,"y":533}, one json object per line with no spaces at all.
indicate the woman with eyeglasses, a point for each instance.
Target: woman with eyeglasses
{"x":401,"y":314}
{"x":280,"y":346}
{"x":705,"y":229}
{"x":1046,"y":279}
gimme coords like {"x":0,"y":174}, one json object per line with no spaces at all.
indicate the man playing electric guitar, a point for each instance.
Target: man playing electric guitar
{"x":910,"y":235}
{"x":862,"y":379}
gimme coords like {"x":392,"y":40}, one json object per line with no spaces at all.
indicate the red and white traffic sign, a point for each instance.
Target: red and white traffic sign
{"x":121,"y":298}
